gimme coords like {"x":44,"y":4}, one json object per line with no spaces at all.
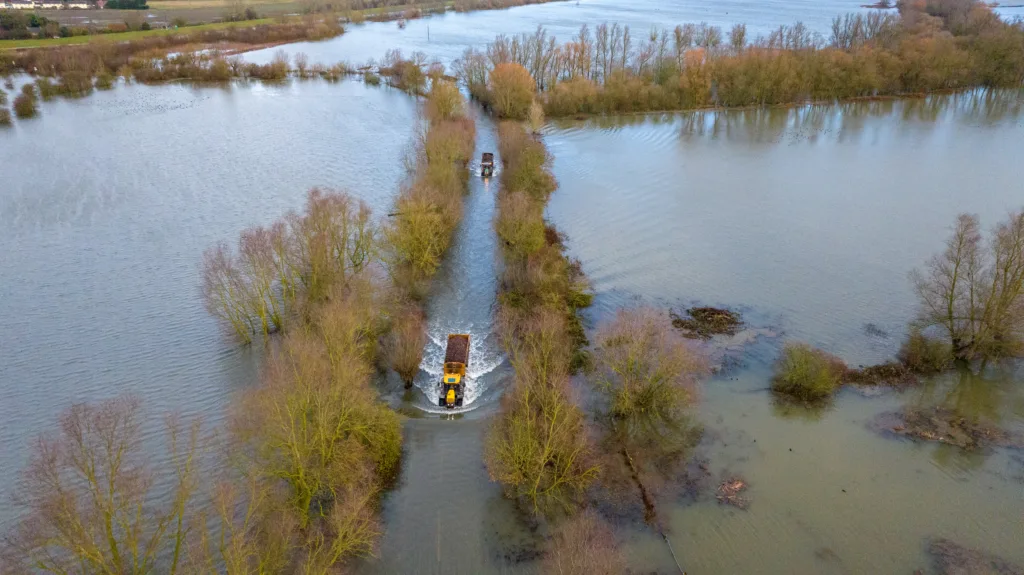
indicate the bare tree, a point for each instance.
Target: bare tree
{"x":406,"y":341}
{"x":974,"y":292}
{"x":252,"y":292}
{"x":224,"y":291}
{"x":738,"y":38}
{"x":88,"y":502}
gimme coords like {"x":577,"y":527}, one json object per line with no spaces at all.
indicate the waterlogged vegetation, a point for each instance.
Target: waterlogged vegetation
{"x":551,"y":455}
{"x":94,"y":58}
{"x":312,"y":446}
{"x":807,"y":373}
{"x":971,"y":300}
{"x":537,"y":447}
{"x":931,"y":45}
{"x":591,"y":432}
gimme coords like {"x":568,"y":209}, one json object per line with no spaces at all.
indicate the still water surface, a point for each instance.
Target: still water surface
{"x":445,"y":37}
{"x":808,"y":219}
{"x":106,"y":206}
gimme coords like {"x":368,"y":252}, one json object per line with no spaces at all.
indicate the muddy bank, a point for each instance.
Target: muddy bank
{"x":729,"y":491}
{"x":705,"y":322}
{"x":944,"y":425}
{"x":949,"y":558}
{"x":891,"y":374}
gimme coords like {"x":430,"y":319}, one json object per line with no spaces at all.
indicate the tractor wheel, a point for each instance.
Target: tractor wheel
{"x":440,"y":402}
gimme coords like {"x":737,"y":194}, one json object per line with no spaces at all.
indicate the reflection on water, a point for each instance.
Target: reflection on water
{"x":773,"y":125}
{"x":812,"y":215}
{"x":992,"y":395}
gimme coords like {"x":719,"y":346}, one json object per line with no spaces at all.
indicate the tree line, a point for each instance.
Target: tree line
{"x":563,"y":458}
{"x":930,"y":45}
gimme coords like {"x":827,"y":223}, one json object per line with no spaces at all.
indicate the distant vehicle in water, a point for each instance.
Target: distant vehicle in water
{"x":456,"y":360}
{"x":401,"y":23}
{"x":487,"y":165}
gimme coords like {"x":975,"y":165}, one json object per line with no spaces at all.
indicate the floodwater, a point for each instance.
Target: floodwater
{"x":806,"y":219}
{"x":106,"y":206}
{"x":445,"y":37}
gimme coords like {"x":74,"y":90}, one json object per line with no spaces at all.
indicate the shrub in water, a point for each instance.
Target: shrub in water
{"x":24,"y":106}
{"x":807,"y":373}
{"x":5,"y":117}
{"x":923,"y":354}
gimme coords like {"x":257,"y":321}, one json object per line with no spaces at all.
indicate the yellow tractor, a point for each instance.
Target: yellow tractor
{"x":456,"y":360}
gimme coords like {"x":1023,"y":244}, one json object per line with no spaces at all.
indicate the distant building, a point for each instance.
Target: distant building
{"x":49,"y":5}
{"x":19,"y":4}
{"x":77,"y":4}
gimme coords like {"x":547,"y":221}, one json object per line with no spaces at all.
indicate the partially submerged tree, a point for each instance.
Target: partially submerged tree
{"x":406,"y":340}
{"x":444,"y":102}
{"x":88,"y":501}
{"x":646,"y":374}
{"x":973,"y":292}
{"x":302,"y":257}
{"x":646,"y":371}
{"x":538,"y":446}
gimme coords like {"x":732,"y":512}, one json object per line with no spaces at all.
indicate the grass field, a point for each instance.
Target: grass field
{"x":121,"y":36}
{"x":165,"y":11}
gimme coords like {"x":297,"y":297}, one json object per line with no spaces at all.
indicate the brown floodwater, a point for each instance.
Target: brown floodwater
{"x":805,"y":219}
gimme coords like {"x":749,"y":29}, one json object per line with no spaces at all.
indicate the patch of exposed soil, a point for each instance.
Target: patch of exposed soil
{"x":949,"y":558}
{"x":729,"y":493}
{"x":944,"y":425}
{"x":890,"y":374}
{"x":705,"y":322}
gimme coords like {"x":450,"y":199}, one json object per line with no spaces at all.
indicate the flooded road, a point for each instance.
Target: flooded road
{"x":446,"y":516}
{"x":462,"y":296}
